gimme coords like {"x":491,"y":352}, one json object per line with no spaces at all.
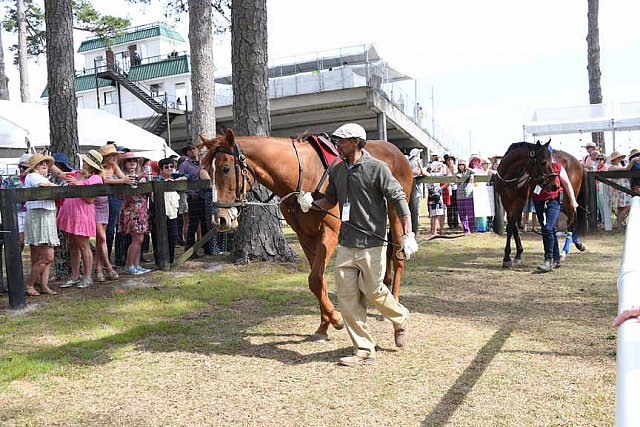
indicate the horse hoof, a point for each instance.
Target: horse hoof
{"x":517,"y":261}
{"x":507,"y":264}
{"x":339,"y":325}
{"x":319,"y":337}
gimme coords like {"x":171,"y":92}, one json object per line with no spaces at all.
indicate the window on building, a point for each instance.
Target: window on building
{"x":110,"y":97}
{"x":157,"y":89}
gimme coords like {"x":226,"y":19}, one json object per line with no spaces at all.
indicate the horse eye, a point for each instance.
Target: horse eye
{"x":226,"y":169}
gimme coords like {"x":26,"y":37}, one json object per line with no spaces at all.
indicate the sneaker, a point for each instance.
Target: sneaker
{"x":557,"y":263}
{"x":356,"y":360}
{"x":563,"y":256}
{"x":71,"y":282}
{"x":401,"y":335}
{"x":142,"y":270}
{"x":580,"y":246}
{"x":85,"y":282}
{"x":131,"y":270}
{"x":546,"y":266}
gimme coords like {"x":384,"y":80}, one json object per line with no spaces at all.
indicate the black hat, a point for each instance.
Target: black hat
{"x":187,"y":148}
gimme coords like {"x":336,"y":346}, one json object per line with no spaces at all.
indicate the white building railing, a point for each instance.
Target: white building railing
{"x":628,"y":353}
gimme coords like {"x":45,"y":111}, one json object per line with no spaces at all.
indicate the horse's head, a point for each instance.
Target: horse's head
{"x":227,"y":165}
{"x":540,"y":168}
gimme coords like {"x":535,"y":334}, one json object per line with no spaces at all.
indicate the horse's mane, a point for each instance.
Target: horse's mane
{"x":517,"y":145}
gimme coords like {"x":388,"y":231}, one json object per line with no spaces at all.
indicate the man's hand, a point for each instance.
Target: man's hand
{"x":409,"y":245}
{"x":305,"y":200}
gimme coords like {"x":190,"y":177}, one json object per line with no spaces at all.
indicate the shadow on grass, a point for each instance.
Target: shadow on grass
{"x":454,"y":397}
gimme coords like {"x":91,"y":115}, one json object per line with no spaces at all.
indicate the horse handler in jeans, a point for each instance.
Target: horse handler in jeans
{"x":548,"y":204}
{"x":360,"y":184}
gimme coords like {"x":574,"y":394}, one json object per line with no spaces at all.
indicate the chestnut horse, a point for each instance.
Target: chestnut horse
{"x":524,"y":166}
{"x":286,"y":167}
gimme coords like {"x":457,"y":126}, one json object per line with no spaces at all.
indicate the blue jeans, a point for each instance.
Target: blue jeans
{"x":547,"y":212}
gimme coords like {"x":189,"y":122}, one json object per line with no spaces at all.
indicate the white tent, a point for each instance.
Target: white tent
{"x":587,"y":118}
{"x":22,"y":122}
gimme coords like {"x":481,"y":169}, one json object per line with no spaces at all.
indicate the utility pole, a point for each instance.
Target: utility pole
{"x":433,"y":115}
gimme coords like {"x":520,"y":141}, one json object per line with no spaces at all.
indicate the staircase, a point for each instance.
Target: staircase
{"x":158,"y":123}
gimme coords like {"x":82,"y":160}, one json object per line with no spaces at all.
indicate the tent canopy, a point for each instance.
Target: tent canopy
{"x":22,"y":122}
{"x":587,"y":118}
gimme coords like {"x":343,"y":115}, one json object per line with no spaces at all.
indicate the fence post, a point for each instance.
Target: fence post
{"x":160,"y":222}
{"x":15,"y":279}
{"x":592,"y":202}
{"x":628,"y":350}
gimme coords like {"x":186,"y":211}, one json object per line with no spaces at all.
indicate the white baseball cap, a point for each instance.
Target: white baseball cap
{"x":350,"y":130}
{"x":24,"y":159}
{"x":415,"y":152}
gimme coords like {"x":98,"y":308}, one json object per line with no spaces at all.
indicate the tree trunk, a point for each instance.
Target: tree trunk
{"x":202,"y":66}
{"x":63,"y":115}
{"x":23,"y":66}
{"x":593,"y":64}
{"x":4,"y":80}
{"x":259,"y":235}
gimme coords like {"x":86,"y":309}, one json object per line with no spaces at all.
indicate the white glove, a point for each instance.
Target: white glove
{"x":305,"y":200}
{"x":409,"y":245}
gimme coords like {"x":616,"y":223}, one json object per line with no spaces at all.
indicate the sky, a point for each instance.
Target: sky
{"x":489,"y":65}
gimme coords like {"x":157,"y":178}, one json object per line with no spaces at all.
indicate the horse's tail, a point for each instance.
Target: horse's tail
{"x":582,"y":214}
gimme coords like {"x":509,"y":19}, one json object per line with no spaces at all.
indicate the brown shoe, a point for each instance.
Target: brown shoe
{"x":356,"y":360}
{"x":401,"y":334}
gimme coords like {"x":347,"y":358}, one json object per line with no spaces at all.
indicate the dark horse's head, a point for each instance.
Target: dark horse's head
{"x":227,"y":166}
{"x":524,"y":160}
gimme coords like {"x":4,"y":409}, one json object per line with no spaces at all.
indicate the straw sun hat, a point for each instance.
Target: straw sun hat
{"x":94,"y":159}
{"x":616,"y":155}
{"x":36,"y":159}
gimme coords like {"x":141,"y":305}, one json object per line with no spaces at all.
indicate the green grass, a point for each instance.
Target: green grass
{"x":82,"y":331}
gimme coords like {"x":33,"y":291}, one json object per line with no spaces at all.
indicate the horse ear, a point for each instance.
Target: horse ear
{"x":538,"y":142}
{"x":548,"y":142}
{"x":230,"y":136}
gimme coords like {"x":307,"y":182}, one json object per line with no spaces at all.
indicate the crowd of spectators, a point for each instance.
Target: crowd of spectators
{"x":78,"y":236}
{"x":451,"y":201}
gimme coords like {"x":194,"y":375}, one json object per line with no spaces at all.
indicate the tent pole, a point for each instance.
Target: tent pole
{"x":613,"y":133}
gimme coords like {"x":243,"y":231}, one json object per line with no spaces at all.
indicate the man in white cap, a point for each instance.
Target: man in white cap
{"x":360,"y":185}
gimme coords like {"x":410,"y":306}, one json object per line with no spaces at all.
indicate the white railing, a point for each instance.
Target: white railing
{"x":628,"y":353}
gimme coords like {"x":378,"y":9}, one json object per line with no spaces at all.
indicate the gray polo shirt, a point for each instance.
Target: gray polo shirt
{"x":367,"y":186}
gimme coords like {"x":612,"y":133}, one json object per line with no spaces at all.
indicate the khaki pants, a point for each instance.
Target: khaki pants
{"x":359,"y":279}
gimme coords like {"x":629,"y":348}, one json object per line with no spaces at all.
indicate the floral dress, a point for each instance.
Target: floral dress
{"x":134,"y":216}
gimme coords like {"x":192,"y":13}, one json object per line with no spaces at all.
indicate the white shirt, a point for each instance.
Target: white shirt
{"x":33,"y":180}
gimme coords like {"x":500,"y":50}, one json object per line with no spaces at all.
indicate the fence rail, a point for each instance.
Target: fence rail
{"x":9,"y":198}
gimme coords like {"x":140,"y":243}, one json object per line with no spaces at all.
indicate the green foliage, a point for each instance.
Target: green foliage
{"x":35,"y":31}
{"x":176,"y":9}
{"x":86,"y":16}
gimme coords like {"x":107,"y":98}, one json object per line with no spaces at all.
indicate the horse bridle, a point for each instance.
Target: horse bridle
{"x":242,"y":172}
{"x":541,"y":179}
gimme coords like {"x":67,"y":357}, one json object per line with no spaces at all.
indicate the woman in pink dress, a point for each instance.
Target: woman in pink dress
{"x":77,"y":218}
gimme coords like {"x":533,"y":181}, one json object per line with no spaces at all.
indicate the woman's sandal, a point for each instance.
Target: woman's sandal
{"x":47,"y":290}
{"x":99,"y":276}
{"x":31,"y":291}
{"x":112,"y":275}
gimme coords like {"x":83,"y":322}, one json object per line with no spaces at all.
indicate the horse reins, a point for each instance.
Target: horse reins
{"x":242,"y":182}
{"x":524,"y":178}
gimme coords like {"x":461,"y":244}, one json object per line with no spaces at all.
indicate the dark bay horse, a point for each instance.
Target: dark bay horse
{"x":524,"y":166}
{"x":285,"y":167}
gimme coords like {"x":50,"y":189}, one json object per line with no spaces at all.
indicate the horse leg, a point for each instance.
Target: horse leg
{"x":318,"y":252}
{"x":519,"y":249}
{"x":506,"y":261}
{"x":395,"y":228}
